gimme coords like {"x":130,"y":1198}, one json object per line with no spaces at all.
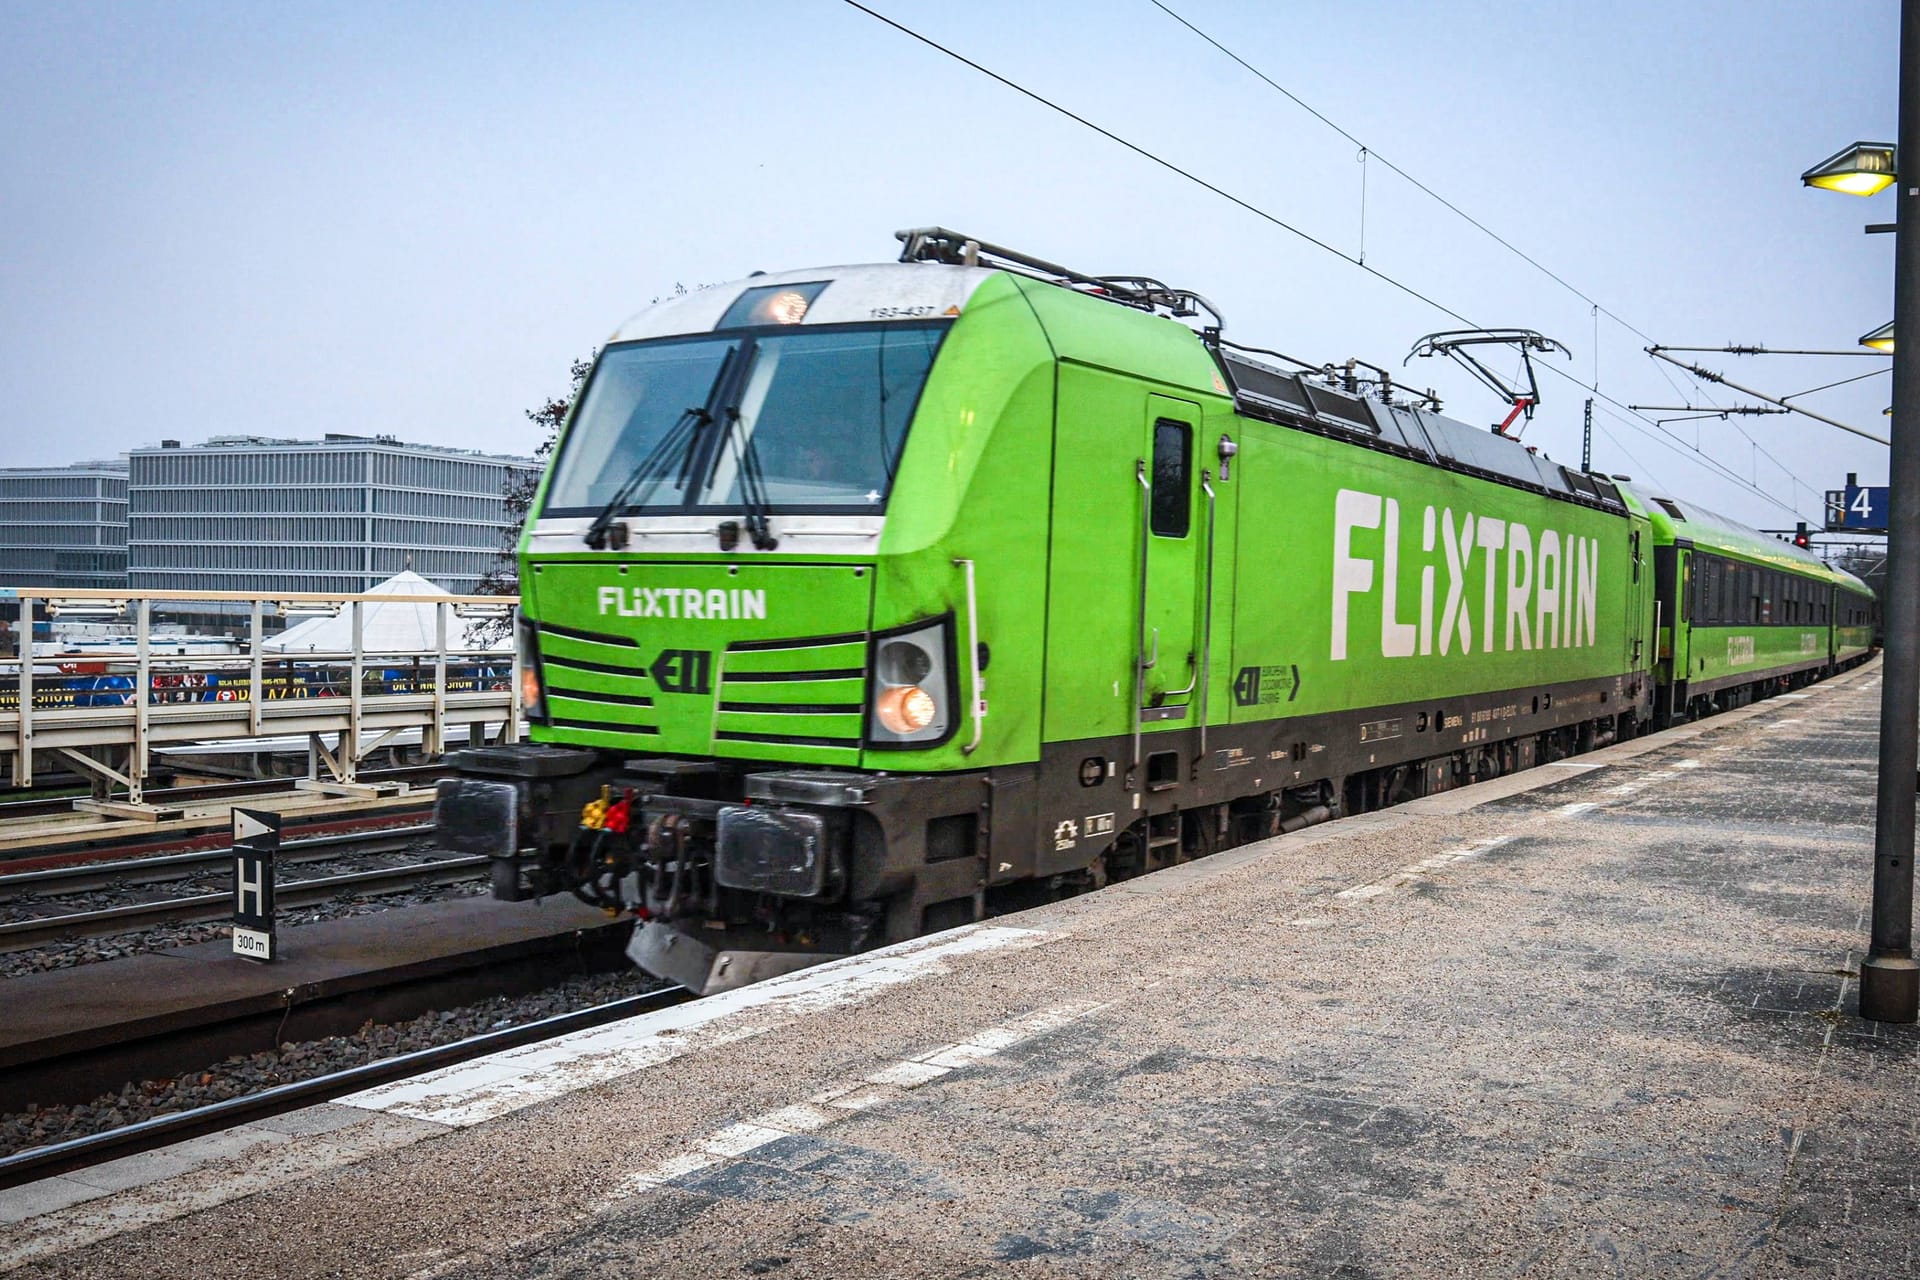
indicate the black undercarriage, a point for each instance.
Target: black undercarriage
{"x":739,"y":871}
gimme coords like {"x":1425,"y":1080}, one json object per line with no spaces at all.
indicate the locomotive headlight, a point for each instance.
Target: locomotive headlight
{"x":787,"y":307}
{"x":903,"y":662}
{"x":911,"y":683}
{"x":906,"y":709}
{"x":533,"y":694}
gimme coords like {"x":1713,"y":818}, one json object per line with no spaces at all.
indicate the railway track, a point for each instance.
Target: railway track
{"x":21,"y":935}
{"x":159,"y":1131}
{"x":55,"y":805}
{"x":86,"y":876}
{"x":212,"y":835}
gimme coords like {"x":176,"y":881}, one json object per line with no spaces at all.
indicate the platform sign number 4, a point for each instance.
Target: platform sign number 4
{"x":1865,"y":507}
{"x":256,"y":839}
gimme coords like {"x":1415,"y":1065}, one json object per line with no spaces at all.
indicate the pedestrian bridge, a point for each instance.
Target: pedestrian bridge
{"x":101,"y":709}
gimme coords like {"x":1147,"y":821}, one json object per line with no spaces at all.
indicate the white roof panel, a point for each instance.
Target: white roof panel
{"x":880,"y":291}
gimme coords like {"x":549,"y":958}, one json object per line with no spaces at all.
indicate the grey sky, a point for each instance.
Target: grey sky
{"x":408,"y":218}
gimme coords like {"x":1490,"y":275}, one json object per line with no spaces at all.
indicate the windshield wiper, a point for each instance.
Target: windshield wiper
{"x":651,"y":468}
{"x":753,"y":491}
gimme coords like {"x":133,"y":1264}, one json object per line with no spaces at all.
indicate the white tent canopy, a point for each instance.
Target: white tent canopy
{"x":387,"y":627}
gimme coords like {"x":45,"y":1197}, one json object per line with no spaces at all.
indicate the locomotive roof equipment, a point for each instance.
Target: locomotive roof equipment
{"x":1457,"y":344}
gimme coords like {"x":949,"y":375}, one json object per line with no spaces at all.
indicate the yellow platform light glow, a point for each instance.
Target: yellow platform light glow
{"x":1863,"y":169}
{"x":1880,"y":339}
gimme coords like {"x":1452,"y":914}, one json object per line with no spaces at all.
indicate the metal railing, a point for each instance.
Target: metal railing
{"x":103,"y":713}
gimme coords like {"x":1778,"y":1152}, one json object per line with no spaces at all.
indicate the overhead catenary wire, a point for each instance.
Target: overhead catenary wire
{"x":1641,"y":469}
{"x":1597,"y":310}
{"x":1495,"y":236}
{"x":1675,"y":444}
{"x":1725,"y":415}
{"x":1710,"y":375}
{"x":1828,"y":386}
{"x":1164,"y":163}
{"x":1274,"y":220}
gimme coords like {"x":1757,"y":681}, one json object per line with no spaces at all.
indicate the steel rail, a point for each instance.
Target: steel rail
{"x":21,"y":935}
{"x":27,"y":807}
{"x":87,"y":876}
{"x":79,"y":1153}
{"x":96,"y":844}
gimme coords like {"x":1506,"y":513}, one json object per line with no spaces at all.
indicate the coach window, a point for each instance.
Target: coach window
{"x":1172,"y":488}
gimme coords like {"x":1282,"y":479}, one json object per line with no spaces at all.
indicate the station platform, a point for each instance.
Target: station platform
{"x":1594,"y":1019}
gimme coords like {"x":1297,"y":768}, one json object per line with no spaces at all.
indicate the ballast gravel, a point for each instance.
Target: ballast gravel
{"x":239,"y":1076}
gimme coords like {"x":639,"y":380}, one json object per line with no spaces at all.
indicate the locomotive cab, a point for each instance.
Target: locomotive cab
{"x":755,"y":646}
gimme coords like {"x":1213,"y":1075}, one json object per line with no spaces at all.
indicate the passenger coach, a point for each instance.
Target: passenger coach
{"x":1743,"y":614}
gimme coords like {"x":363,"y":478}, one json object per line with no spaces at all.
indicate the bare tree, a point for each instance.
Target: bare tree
{"x":503,"y":578}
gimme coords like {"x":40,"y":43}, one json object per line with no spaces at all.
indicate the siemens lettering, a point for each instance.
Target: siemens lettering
{"x":1537,"y":590}
{"x":714,"y":605}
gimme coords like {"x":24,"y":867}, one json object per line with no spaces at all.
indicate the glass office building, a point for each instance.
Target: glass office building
{"x":243,"y":513}
{"x":64,"y":526}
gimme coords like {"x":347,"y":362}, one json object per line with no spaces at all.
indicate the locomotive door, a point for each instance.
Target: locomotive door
{"x":1172,"y":540}
{"x":1639,"y":583}
{"x":1680,"y":665}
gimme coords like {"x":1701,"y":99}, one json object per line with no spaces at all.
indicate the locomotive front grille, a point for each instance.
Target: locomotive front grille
{"x":597,"y":684}
{"x":806,"y":696}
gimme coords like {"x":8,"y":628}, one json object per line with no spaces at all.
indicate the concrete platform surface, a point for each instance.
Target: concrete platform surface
{"x":1595,"y":1020}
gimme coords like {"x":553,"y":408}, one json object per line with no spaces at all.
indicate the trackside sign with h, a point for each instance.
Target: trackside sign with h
{"x":256,"y":838}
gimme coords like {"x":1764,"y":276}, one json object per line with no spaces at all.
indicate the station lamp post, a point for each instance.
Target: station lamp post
{"x":1889,"y":978}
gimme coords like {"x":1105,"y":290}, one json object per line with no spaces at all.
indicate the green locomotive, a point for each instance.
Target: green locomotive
{"x":858,"y":599}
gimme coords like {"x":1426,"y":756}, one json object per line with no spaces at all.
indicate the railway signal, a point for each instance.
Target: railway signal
{"x":256,"y":839}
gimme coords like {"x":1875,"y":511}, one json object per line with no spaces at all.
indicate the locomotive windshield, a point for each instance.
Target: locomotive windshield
{"x":674,"y":422}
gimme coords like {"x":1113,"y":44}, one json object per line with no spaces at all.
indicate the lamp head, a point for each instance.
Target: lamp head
{"x":1863,"y":169}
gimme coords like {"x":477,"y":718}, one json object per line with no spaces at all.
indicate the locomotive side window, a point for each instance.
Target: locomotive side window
{"x":1172,"y":487}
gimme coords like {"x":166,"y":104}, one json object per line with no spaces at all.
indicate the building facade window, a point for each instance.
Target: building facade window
{"x":343,"y":514}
